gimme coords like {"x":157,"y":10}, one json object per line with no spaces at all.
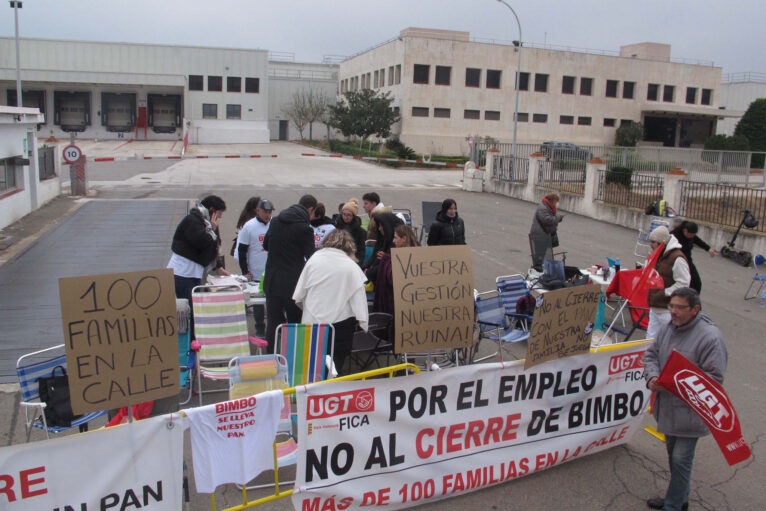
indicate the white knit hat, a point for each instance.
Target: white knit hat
{"x":660,"y":234}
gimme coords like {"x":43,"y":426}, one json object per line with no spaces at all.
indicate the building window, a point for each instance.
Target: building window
{"x":667,"y":93}
{"x":196,"y":82}
{"x":398,"y":74}
{"x":472,"y":77}
{"x":471,"y":114}
{"x":586,"y":86}
{"x":376,"y":78}
{"x":566,"y":119}
{"x":214,"y":83}
{"x":691,"y":95}
{"x":523,"y":82}
{"x":390,"y":75}
{"x":419,"y":111}
{"x":707,"y":96}
{"x":583,"y":121}
{"x":396,"y":111}
{"x":233,"y":111}
{"x":209,"y":111}
{"x":611,"y":88}
{"x":609,"y":123}
{"x":7,"y":174}
{"x":541,"y":82}
{"x":625,"y":122}
{"x":443,"y":113}
{"x":420,"y":73}
{"x":233,"y":84}
{"x":628,"y":90}
{"x":443,"y":75}
{"x":382,"y":77}
{"x":523,"y":117}
{"x":568,"y":85}
{"x":369,"y":80}
{"x":540,"y":118}
{"x":493,"y":78}
{"x":652,"y":91}
{"x":491,"y":115}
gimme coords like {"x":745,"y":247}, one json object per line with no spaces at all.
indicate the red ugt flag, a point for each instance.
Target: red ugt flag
{"x":708,"y":399}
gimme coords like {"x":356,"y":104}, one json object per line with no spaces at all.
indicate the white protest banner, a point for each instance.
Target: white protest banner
{"x":402,"y":442}
{"x":135,"y":466}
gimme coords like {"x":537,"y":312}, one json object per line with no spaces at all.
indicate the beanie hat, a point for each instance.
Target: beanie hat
{"x":352,"y":205}
{"x":660,"y":234}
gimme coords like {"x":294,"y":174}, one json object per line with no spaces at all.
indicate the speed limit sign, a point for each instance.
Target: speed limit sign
{"x":72,"y":153}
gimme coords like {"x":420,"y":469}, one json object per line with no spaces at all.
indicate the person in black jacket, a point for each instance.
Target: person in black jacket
{"x":289,"y":242}
{"x":448,"y":229}
{"x":195,"y":245}
{"x":385,"y":224}
{"x":686,"y":234}
{"x":349,"y":221}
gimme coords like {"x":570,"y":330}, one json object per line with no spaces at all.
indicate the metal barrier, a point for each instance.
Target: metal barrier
{"x":282,"y":494}
{"x":562,"y":175}
{"x":721,"y":204}
{"x":628,"y":189}
{"x":505,"y":169}
{"x":46,"y":161}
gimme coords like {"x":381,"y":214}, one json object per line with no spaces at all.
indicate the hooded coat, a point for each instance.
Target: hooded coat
{"x":356,"y":232}
{"x":195,"y":239}
{"x":289,"y":242}
{"x":702,"y":343}
{"x":446,"y":230}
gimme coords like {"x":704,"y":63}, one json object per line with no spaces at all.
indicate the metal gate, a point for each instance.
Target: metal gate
{"x":46,"y":162}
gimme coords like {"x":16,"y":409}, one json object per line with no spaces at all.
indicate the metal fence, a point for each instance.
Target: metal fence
{"x":736,"y":167}
{"x":722,"y":204}
{"x":562,"y":176}
{"x":46,"y":161}
{"x":505,"y":169}
{"x":631,"y":190}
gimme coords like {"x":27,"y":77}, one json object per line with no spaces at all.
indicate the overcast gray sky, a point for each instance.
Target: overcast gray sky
{"x":731,"y":34}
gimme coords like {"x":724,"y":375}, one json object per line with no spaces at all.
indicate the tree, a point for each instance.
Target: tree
{"x":629,"y":134}
{"x":752,"y":126}
{"x":364,"y":113}
{"x":727,"y":143}
{"x":297,"y":110}
{"x":317,"y":106}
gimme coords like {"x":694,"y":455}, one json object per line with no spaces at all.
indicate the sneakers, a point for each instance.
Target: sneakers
{"x":659,"y":503}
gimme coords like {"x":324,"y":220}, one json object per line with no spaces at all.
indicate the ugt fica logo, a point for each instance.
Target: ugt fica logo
{"x":710,"y":403}
{"x":341,"y":403}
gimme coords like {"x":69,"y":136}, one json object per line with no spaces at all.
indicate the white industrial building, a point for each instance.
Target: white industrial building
{"x":738,"y":90}
{"x":449,"y":88}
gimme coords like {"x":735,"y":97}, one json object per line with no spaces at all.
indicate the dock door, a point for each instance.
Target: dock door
{"x":118,"y":111}
{"x":164,"y":112}
{"x":71,"y":110}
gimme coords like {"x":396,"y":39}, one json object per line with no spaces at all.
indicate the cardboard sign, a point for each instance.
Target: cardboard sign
{"x":563,"y":324}
{"x":433,"y":298}
{"x":120,"y":333}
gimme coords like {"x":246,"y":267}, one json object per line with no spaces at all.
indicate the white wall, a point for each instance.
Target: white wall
{"x":738,"y":96}
{"x":228,"y":132}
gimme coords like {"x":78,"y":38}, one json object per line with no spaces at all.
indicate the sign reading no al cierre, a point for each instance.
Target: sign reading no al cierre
{"x":120,"y":333}
{"x":433,"y":297}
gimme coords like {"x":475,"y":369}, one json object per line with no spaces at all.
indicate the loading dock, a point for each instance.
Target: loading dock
{"x":118,"y":111}
{"x":164,"y":112}
{"x":71,"y":110}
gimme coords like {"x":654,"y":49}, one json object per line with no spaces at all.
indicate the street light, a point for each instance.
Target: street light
{"x":16,"y":5}
{"x":518,"y":82}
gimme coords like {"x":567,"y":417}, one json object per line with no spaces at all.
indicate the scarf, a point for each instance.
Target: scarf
{"x":550,"y":205}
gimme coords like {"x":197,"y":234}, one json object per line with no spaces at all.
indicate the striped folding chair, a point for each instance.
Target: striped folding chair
{"x":31,"y":367}
{"x":511,"y":289}
{"x":496,"y":324}
{"x":308,"y":349}
{"x":220,"y":330}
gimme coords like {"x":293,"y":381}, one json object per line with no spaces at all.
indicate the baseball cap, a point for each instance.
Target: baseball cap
{"x":266,"y":205}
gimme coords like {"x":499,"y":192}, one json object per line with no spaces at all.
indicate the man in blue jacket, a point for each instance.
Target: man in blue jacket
{"x":289,"y":242}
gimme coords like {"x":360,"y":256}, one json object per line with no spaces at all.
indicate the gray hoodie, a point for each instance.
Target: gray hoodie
{"x":702,"y":343}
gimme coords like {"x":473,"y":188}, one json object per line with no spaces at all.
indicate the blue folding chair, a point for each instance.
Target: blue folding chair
{"x":759,"y":278}
{"x":495,"y":324}
{"x":30,"y":368}
{"x":512,"y":288}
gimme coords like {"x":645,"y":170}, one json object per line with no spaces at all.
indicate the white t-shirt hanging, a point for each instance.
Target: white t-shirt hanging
{"x":252,"y":234}
{"x":232,"y":441}
{"x":321,"y":232}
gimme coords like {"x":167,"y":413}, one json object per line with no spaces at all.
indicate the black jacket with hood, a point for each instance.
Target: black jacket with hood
{"x":446,"y":230}
{"x":356,"y":232}
{"x":289,"y":242}
{"x":193,"y":241}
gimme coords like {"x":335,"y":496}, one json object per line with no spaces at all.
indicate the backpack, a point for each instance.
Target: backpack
{"x":54,"y":392}
{"x":526,"y":305}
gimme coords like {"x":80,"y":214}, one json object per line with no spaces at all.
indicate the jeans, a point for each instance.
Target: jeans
{"x":344,"y":338}
{"x":680,"y":458}
{"x":259,"y":319}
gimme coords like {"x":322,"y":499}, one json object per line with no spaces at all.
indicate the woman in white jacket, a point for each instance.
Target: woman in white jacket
{"x":331,"y":290}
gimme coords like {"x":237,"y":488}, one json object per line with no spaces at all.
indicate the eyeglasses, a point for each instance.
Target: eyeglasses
{"x":673,"y":306}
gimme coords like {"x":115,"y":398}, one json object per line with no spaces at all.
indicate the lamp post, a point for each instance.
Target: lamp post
{"x":16,"y":5}
{"x":518,"y":82}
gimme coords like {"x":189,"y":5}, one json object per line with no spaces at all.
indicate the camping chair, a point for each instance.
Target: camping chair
{"x":220,"y":331}
{"x":253,"y":374}
{"x":185,"y":355}
{"x":376,"y":341}
{"x":758,"y":260}
{"x":642,"y":248}
{"x":429,"y":208}
{"x":541,"y":248}
{"x":306,"y":347}
{"x":31,"y":367}
{"x":512,"y":288}
{"x":496,"y":324}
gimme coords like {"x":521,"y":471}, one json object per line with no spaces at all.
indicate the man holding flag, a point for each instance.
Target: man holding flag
{"x":694,"y":336}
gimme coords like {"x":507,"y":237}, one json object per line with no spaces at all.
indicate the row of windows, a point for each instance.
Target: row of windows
{"x":372,"y":80}
{"x":445,"y":113}
{"x":494,"y":115}
{"x":443,"y":76}
{"x":215,"y":84}
{"x":210,"y":111}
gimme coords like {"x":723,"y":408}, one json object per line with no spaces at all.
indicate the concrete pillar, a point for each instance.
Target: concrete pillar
{"x":590,"y":194}
{"x":534,"y":166}
{"x":490,"y":163}
{"x":34,"y":169}
{"x":672,"y":187}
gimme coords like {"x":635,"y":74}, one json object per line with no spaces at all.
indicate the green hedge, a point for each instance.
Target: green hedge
{"x":619,"y":175}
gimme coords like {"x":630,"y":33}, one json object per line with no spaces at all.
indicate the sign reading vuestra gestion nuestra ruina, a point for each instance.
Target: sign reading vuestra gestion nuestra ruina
{"x":120,"y":333}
